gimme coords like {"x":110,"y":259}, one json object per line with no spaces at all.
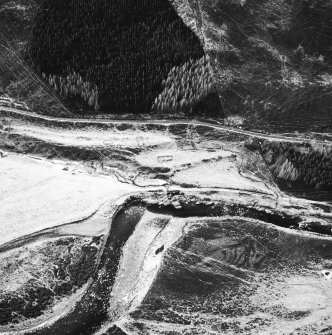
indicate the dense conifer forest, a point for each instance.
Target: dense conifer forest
{"x":186,"y":85}
{"x":112,"y":54}
{"x":299,"y":165}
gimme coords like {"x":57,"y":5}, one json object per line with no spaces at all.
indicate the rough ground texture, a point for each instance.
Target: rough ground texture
{"x":17,"y":78}
{"x":272,"y":59}
{"x":38,"y":276}
{"x":175,"y":228}
{"x":157,"y":228}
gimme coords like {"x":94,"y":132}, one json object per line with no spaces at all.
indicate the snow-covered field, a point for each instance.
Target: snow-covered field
{"x":221,"y":174}
{"x":36,"y":195}
{"x":174,"y":157}
{"x":142,"y":254}
{"x":91,"y":137}
{"x":182,"y":169}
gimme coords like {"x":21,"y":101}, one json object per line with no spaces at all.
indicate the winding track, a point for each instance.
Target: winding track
{"x":159,"y":122}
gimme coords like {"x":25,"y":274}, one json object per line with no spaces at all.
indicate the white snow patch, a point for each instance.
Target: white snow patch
{"x":173,"y":158}
{"x":141,"y":261}
{"x":221,"y":174}
{"x":36,"y":195}
{"x":93,"y":137}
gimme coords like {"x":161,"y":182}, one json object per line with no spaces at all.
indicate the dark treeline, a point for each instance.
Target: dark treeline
{"x":186,"y":85}
{"x":312,"y":27}
{"x":125,"y":48}
{"x":300,"y":164}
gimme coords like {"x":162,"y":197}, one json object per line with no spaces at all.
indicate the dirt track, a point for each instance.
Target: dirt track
{"x":157,"y":122}
{"x":207,"y":173}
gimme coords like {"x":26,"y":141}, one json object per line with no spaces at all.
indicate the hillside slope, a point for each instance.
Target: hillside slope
{"x":120,"y":50}
{"x":272,"y":59}
{"x":101,"y":55}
